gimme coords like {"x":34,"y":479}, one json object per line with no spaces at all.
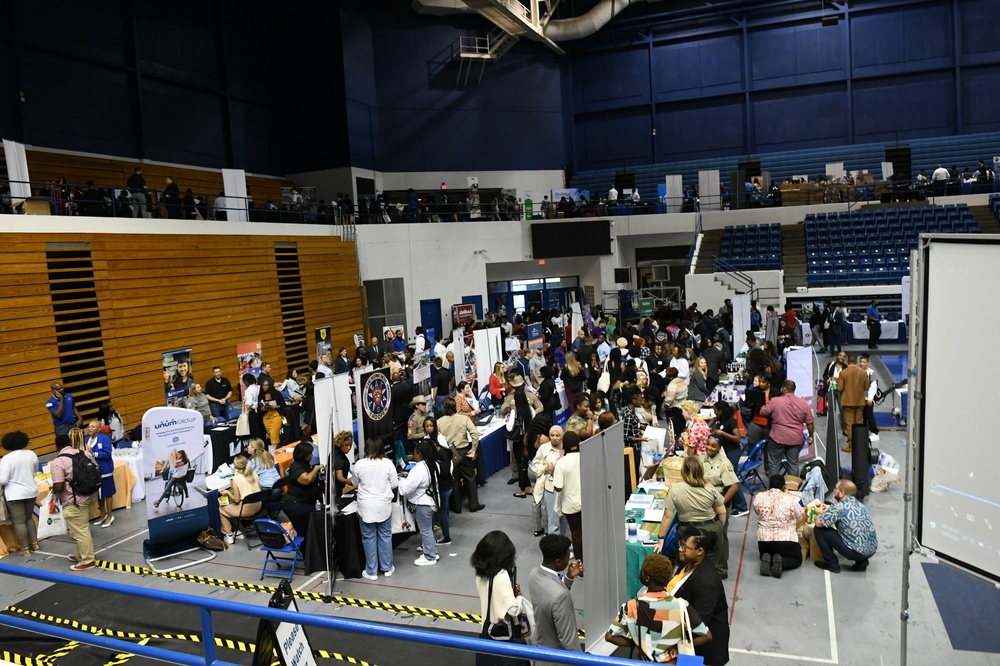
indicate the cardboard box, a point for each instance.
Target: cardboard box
{"x":793,"y":482}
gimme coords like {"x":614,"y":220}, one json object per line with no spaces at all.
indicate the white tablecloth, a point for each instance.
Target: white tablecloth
{"x":890,"y":330}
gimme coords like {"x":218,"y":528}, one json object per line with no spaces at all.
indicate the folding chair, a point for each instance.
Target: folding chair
{"x":669,"y":547}
{"x":244,"y":523}
{"x":749,"y":470}
{"x":274,"y":539}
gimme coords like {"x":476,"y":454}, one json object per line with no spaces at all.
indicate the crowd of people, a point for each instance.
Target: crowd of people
{"x":660,"y":371}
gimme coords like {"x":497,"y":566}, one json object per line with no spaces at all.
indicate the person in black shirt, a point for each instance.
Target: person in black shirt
{"x":441,"y":385}
{"x":304,"y":488}
{"x":172,"y":199}
{"x":136,"y":185}
{"x":219,"y":391}
{"x":343,"y":442}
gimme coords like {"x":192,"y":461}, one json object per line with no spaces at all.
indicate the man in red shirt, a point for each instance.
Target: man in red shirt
{"x":789,"y":414}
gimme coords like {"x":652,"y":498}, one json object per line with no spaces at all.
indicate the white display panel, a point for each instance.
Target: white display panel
{"x":959,"y":500}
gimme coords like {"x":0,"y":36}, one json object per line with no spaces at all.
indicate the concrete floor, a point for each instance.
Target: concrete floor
{"x":808,"y":616}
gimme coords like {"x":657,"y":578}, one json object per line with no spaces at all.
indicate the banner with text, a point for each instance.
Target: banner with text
{"x":178,"y":376}
{"x":375,"y":408}
{"x":175,"y":456}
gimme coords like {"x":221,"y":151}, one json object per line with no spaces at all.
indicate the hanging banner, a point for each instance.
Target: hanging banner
{"x":375,"y":409}
{"x":178,"y":376}
{"x":646,"y":306}
{"x":175,"y":457}
{"x":248,"y":359}
{"x":462,"y":315}
{"x":323,"y":345}
{"x":536,"y":337}
{"x":431,"y":334}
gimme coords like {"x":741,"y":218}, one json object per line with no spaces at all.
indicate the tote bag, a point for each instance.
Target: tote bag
{"x":51,"y":522}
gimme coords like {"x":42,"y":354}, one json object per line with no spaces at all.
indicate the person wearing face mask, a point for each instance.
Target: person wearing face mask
{"x":549,"y":589}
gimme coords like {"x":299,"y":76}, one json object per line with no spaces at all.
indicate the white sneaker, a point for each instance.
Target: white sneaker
{"x":872,"y":437}
{"x":389,"y":573}
{"x":365,"y":574}
{"x":230,"y":539}
{"x":424,"y":562}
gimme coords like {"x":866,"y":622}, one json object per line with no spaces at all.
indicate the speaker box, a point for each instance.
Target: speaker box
{"x":902,"y":164}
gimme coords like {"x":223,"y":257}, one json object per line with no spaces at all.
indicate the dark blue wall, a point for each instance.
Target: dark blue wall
{"x":887,"y":71}
{"x":407,"y":113}
{"x":192,"y":82}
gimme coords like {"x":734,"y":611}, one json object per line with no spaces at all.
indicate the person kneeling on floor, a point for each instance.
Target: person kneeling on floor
{"x":854,"y":536}
{"x":778,"y":514}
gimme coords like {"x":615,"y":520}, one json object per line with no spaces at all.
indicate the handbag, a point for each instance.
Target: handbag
{"x":51,"y":522}
{"x":402,"y":517}
{"x":209,"y":539}
{"x":604,"y":381}
{"x":243,"y":425}
{"x":4,"y":511}
{"x":499,"y":631}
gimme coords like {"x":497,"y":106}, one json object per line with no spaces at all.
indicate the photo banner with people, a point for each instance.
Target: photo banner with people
{"x":175,"y":459}
{"x":178,"y":376}
{"x":248,"y":359}
{"x":375,"y":408}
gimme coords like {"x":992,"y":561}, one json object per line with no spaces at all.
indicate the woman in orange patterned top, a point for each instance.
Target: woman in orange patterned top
{"x":778,"y":514}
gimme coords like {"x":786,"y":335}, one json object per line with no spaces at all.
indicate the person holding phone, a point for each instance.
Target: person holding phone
{"x":62,"y":407}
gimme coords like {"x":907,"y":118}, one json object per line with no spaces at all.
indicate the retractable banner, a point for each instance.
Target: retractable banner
{"x":375,"y":407}
{"x":175,"y":456}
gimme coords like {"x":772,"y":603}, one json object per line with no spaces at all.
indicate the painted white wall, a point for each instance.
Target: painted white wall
{"x":709,"y":290}
{"x":48,"y":224}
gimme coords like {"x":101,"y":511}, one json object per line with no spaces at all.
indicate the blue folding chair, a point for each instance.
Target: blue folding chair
{"x":748,"y":471}
{"x":274,"y":541}
{"x":669,"y":547}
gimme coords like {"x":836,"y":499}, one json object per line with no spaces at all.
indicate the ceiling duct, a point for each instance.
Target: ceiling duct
{"x":562,"y":30}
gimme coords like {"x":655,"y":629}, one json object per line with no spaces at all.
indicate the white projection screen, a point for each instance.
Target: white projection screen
{"x":958,"y":497}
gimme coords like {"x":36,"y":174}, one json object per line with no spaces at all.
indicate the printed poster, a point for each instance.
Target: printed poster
{"x":323,"y":344}
{"x":178,"y":376}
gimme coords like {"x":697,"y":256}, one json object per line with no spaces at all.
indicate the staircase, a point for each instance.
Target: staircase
{"x":986,"y":219}
{"x":793,"y":259}
{"x":711,"y":246}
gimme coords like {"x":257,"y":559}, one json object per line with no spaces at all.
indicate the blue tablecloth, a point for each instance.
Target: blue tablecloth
{"x":493,"y":448}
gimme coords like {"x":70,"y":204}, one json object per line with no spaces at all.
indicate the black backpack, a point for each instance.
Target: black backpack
{"x":86,"y":479}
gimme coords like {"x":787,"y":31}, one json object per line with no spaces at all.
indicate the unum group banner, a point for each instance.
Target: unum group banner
{"x":175,"y":460}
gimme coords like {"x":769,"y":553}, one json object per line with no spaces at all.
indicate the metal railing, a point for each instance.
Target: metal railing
{"x":698,"y":229}
{"x":208,"y":605}
{"x":737,"y":275}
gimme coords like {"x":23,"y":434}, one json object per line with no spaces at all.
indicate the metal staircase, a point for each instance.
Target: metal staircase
{"x":472,"y":51}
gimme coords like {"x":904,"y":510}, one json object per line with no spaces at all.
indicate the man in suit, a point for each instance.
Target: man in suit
{"x":549,"y":590}
{"x":853,"y":387}
{"x":374,"y":352}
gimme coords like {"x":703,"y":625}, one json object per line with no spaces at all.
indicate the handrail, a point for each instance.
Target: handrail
{"x":209,"y":604}
{"x":694,"y":242}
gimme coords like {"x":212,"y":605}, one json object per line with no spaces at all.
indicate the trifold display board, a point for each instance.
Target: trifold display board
{"x":333,"y":411}
{"x":602,"y":473}
{"x":957,"y":494}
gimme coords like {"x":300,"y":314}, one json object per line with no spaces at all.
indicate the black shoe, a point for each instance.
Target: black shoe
{"x":478,"y":508}
{"x":539,"y":533}
{"x":860,"y":566}
{"x":511,"y":482}
{"x":824,"y":565}
{"x":777,"y":566}
{"x":765,"y":564}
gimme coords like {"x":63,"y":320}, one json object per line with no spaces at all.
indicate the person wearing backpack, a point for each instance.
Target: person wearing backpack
{"x":76,"y":478}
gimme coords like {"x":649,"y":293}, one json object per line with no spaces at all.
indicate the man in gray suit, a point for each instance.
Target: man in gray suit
{"x":548,"y":589}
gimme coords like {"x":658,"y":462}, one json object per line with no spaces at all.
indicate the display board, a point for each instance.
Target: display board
{"x":602,"y":472}
{"x":957,"y":498}
{"x":801,"y":365}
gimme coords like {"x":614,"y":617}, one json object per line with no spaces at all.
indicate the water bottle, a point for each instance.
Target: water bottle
{"x":660,"y":476}
{"x":632,"y":529}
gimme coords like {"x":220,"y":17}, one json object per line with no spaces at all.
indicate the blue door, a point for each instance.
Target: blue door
{"x":430,"y":315}
{"x":477,"y":301}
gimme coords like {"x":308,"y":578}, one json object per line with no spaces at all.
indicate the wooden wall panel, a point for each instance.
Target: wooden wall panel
{"x":160,"y":293}
{"x":111,"y":172}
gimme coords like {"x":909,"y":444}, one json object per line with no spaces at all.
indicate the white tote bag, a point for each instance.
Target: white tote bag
{"x":403,"y":520}
{"x":51,"y":521}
